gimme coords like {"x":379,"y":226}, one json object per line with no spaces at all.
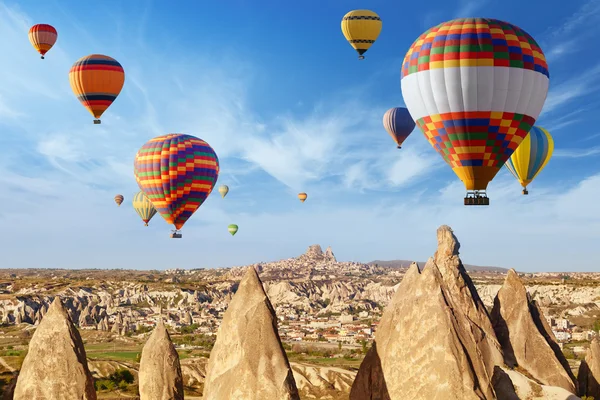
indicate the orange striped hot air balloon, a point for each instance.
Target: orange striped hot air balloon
{"x":96,"y":80}
{"x":42,"y":37}
{"x":302,"y":196}
{"x":119,"y":199}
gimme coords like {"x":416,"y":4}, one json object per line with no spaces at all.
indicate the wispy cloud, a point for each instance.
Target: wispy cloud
{"x":569,"y":37}
{"x":576,"y":153}
{"x":467,"y":8}
{"x":583,"y":83}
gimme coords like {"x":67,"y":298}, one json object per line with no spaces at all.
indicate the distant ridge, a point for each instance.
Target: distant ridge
{"x":421,"y":264}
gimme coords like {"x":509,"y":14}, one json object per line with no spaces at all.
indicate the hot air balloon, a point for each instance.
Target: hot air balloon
{"x":143,"y":207}
{"x":398,"y":123}
{"x":531,"y":156}
{"x":475,"y":87}
{"x":232,"y":229}
{"x":177,"y":172}
{"x":119,"y":199}
{"x":223,"y":189}
{"x":42,"y":37}
{"x":361,"y":28}
{"x":97,"y":80}
{"x":302,"y":196}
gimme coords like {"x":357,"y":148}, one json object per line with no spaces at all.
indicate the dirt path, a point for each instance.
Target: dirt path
{"x":5,"y":365}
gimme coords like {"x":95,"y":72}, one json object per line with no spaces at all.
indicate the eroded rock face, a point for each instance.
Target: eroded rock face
{"x":526,"y":338}
{"x":248,"y":361}
{"x":55,"y":367}
{"x":589,"y":372}
{"x":160,"y":372}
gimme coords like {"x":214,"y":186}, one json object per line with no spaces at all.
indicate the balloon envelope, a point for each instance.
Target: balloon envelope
{"x":475,"y":87}
{"x":177,"y":172}
{"x":531,"y":156}
{"x":361,"y":28}
{"x":42,"y":37}
{"x":302,"y":196}
{"x":143,"y":206}
{"x":119,"y":199}
{"x":223,"y":190}
{"x":232,"y":229}
{"x":96,"y":80}
{"x":398,"y":123}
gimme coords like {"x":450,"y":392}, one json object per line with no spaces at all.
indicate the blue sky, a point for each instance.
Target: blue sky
{"x":281,"y":97}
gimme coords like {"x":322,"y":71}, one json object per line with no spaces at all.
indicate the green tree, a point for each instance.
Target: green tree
{"x":597,"y":326}
{"x":364,"y":346}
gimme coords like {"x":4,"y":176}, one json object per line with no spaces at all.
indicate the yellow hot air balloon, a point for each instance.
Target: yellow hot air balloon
{"x":531,"y":156}
{"x":223,"y":190}
{"x":144,"y":207}
{"x":302,"y":196}
{"x":361,"y":28}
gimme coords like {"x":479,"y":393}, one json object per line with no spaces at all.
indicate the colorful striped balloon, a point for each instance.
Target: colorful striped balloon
{"x":233,"y":228}
{"x":42,"y":37}
{"x":119,"y":199}
{"x":302,"y":197}
{"x":143,"y":207}
{"x":399,"y":124}
{"x":97,"y":80}
{"x":531,"y":156}
{"x":177,"y":172}
{"x":475,"y":87}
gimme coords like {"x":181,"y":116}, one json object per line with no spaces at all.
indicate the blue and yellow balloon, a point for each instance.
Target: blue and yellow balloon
{"x":531,"y":156}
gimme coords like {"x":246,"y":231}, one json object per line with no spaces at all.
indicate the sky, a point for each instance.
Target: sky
{"x":281,"y":97}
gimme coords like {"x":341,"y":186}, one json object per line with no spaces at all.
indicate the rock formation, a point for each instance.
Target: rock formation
{"x":248,"y":361}
{"x":55,"y":367}
{"x":454,"y":355}
{"x":589,"y":372}
{"x":526,"y":338}
{"x":160,"y":372}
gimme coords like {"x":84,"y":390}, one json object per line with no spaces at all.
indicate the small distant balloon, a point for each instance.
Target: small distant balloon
{"x":232,"y":229}
{"x":223,"y":189}
{"x":398,"y":123}
{"x":302,"y":196}
{"x":119,"y":199}
{"x":361,"y":28}
{"x":97,"y":80}
{"x":42,"y":37}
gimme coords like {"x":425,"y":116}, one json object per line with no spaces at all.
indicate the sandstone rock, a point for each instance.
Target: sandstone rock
{"x":160,"y":372}
{"x":526,"y":338}
{"x":248,"y":361}
{"x":589,"y":372}
{"x":55,"y":367}
{"x":442,"y":306}
{"x":329,"y":256}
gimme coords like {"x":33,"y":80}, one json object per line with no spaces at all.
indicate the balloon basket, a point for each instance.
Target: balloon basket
{"x":97,"y":122}
{"x":42,"y":57}
{"x":361,"y":57}
{"x":175,"y":235}
{"x":477,"y":198}
{"x":525,"y":192}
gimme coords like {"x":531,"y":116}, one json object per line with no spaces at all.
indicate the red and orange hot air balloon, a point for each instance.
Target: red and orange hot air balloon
{"x":42,"y":37}
{"x":97,"y":80}
{"x":177,"y":172}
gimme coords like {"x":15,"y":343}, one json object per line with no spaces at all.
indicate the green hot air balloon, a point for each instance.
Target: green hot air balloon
{"x":232,"y":229}
{"x":223,"y":189}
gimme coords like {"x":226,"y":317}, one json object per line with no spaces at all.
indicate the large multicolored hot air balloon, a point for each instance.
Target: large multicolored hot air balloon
{"x":232,"y":229}
{"x":42,"y":37}
{"x":361,"y":28}
{"x":475,"y":87}
{"x":399,"y":124}
{"x":302,"y":196}
{"x":223,"y":190}
{"x":97,"y":80}
{"x":177,"y":172}
{"x":531,"y":156}
{"x":143,"y":207}
{"x":119,"y":199}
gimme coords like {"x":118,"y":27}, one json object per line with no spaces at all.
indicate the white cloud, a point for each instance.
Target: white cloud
{"x":571,"y":89}
{"x":577,"y":153}
{"x":467,"y":8}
